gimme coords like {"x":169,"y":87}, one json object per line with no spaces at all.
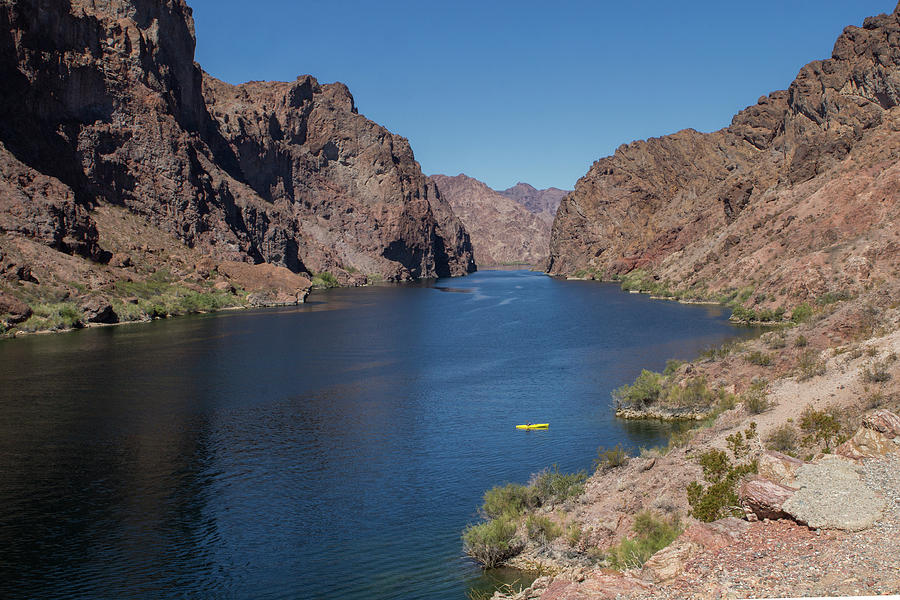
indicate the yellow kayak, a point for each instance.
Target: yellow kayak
{"x":534,"y":426}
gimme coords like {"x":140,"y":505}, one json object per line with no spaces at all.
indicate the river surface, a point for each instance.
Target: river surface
{"x":333,"y":450}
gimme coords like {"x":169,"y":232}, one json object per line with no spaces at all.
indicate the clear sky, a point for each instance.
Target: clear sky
{"x":509,"y":91}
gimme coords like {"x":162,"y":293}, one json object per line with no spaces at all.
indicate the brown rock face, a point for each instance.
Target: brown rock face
{"x":764,"y":499}
{"x":503,"y":231}
{"x":542,"y":203}
{"x":103,"y":104}
{"x":771,"y":200}
{"x":270,"y":285}
{"x":12,"y":309}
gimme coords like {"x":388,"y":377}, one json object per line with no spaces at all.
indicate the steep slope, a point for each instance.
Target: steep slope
{"x":502,"y":230}
{"x":797,"y":197}
{"x":543,"y":203}
{"x":104,"y":105}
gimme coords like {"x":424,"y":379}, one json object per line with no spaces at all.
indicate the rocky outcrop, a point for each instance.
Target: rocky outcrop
{"x":764,"y":499}
{"x":13,"y":310}
{"x":542,"y":203}
{"x":104,"y":106}
{"x":503,"y":231}
{"x":670,"y":562}
{"x":774,"y":197}
{"x":269,"y":285}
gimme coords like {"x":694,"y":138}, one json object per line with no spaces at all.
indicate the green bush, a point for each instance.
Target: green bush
{"x":759,"y":358}
{"x":53,"y":316}
{"x":876,"y":372}
{"x":541,"y":529}
{"x":783,"y":439}
{"x":801,"y":313}
{"x":755,"y":399}
{"x":643,"y":392}
{"x":832,"y":297}
{"x":324,"y":279}
{"x":821,"y":425}
{"x":800,"y":341}
{"x":652,"y":535}
{"x":610,"y":458}
{"x":672,"y":365}
{"x":492,"y":542}
{"x":550,"y":486}
{"x":573,"y":534}
{"x":718,"y":499}
{"x":810,"y":365}
{"x":508,"y":500}
{"x":695,"y":393}
{"x":743,"y":315}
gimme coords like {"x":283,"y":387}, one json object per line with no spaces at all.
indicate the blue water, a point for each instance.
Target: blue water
{"x":333,"y":450}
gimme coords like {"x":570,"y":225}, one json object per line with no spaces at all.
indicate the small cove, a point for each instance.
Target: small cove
{"x":331,"y":450}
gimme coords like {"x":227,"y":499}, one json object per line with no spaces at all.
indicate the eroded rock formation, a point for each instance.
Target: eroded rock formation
{"x":503,"y":230}
{"x":104,"y":106}
{"x":797,"y":197}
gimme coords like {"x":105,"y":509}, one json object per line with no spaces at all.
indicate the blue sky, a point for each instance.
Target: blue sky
{"x":528,"y":91}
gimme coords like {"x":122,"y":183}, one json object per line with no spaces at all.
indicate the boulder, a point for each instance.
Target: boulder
{"x":763,"y":499}
{"x":269,"y":285}
{"x":670,"y":562}
{"x":867,"y":443}
{"x":15,"y":310}
{"x":778,"y":467}
{"x":120,"y":259}
{"x":97,"y":309}
{"x":883,"y":421}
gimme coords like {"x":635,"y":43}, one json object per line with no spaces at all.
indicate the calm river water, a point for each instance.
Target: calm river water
{"x":333,"y":450}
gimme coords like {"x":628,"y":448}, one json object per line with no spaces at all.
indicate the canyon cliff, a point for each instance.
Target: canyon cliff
{"x":543,"y":203}
{"x":506,"y":227}
{"x":797,"y":198}
{"x":106,"y":113}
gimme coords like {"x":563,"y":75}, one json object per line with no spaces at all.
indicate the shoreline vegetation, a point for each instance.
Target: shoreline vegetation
{"x":792,"y":396}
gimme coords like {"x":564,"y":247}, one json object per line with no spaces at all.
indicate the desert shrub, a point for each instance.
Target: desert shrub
{"x":876,"y":372}
{"x":718,"y":498}
{"x":821,"y":426}
{"x":694,"y":393}
{"x":801,"y":313}
{"x":875,"y":400}
{"x":573,"y":534}
{"x":541,"y":529}
{"x":550,"y":486}
{"x":800,"y":341}
{"x":508,"y":500}
{"x":810,"y":365}
{"x":672,"y":365}
{"x":832,"y":297}
{"x":774,"y":339}
{"x":610,"y":458}
{"x":652,"y":535}
{"x":783,"y":439}
{"x":755,"y":399}
{"x":739,"y":443}
{"x":722,"y":351}
{"x":324,"y":279}
{"x":492,"y":542}
{"x":759,"y":358}
{"x":743,"y":315}
{"x":53,"y":316}
{"x":644,"y":391}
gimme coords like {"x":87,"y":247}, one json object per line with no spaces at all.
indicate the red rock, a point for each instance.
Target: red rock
{"x":502,"y":231}
{"x":14,"y":309}
{"x":883,"y":421}
{"x":867,"y":443}
{"x":97,"y":309}
{"x":778,"y":467}
{"x":269,"y":284}
{"x":671,"y":561}
{"x":764,"y":498}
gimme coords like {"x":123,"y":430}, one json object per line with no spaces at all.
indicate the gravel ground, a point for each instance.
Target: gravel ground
{"x":783,"y":559}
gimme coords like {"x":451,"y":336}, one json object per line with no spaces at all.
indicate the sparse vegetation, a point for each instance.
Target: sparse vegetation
{"x":876,"y":372}
{"x":324,"y":279}
{"x":550,"y":486}
{"x":801,"y":313}
{"x":509,"y":500}
{"x":810,"y":365}
{"x":783,"y":439}
{"x":541,"y":529}
{"x":800,"y":341}
{"x":718,"y":498}
{"x":822,"y":426}
{"x":54,"y":316}
{"x":755,"y":399}
{"x":492,"y":542}
{"x":610,"y":458}
{"x":652,"y":535}
{"x":664,"y":391}
{"x":759,"y":358}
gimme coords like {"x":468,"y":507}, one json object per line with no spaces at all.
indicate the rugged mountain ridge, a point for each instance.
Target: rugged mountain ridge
{"x":104,"y":106}
{"x":797,"y":197}
{"x":503,"y":230}
{"x":543,"y":203}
